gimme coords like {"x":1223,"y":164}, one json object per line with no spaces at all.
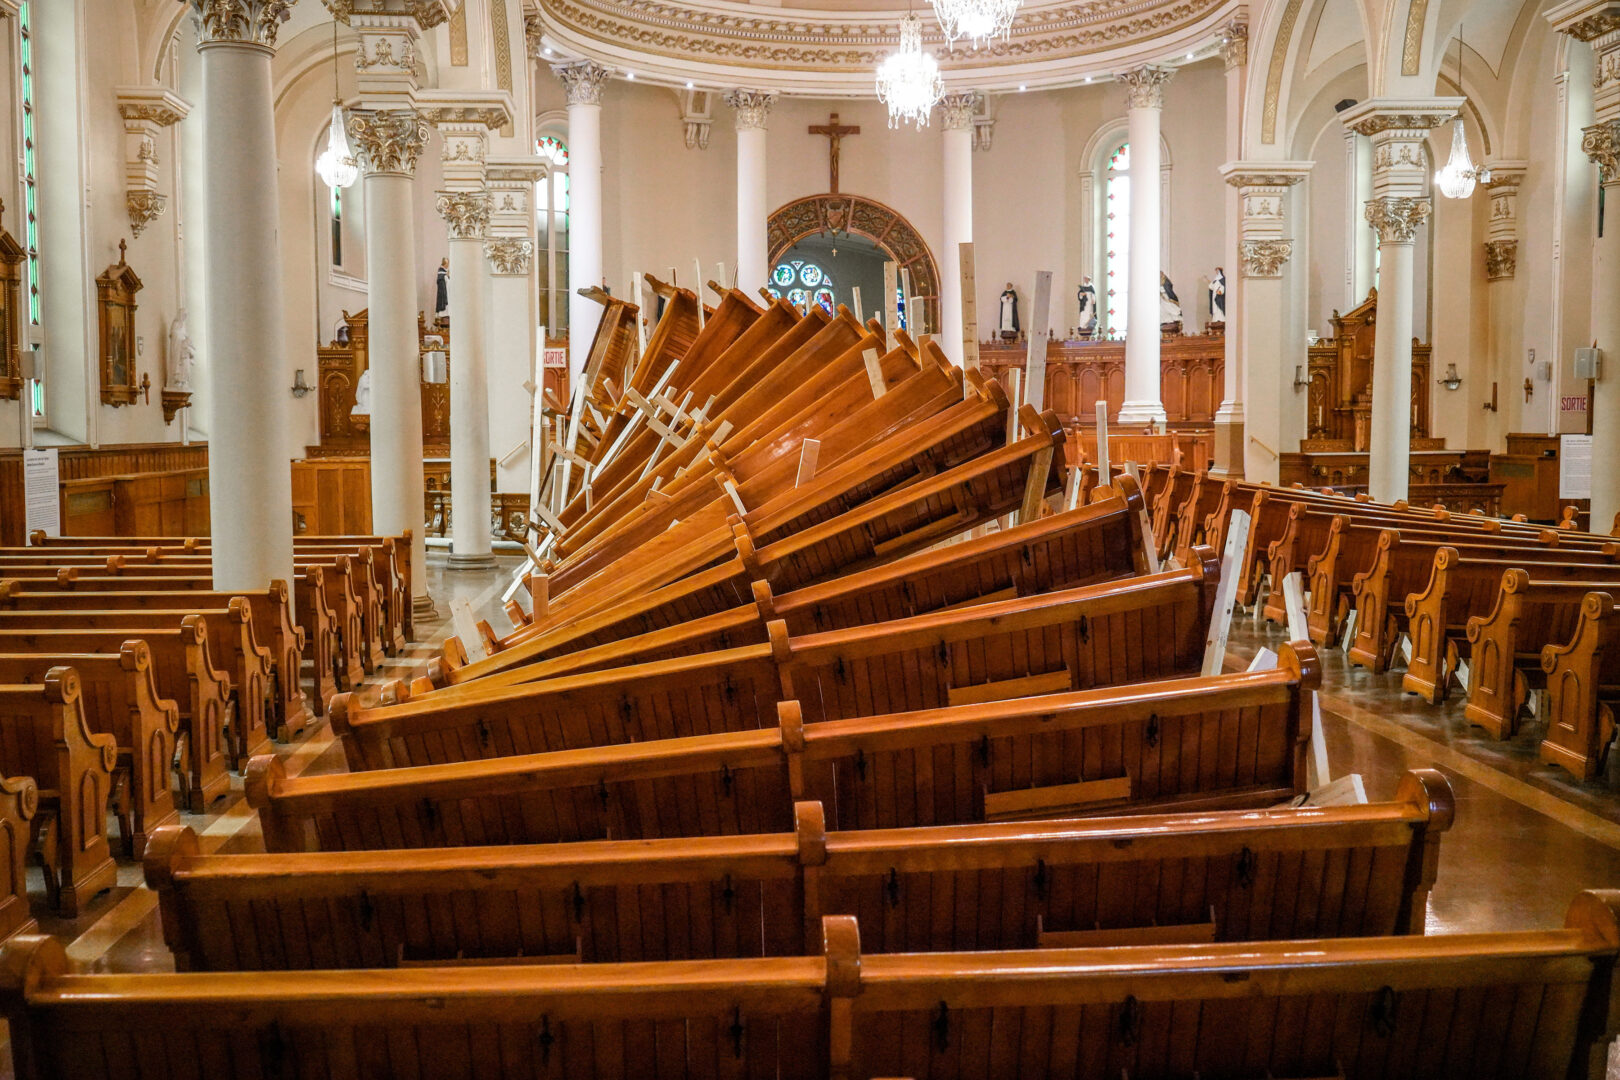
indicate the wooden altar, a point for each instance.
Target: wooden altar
{"x":340,"y":365}
{"x":1340,"y":373}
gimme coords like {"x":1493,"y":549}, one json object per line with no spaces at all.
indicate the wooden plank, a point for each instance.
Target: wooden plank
{"x":1035,"y":486}
{"x":809,"y":451}
{"x":891,"y":284}
{"x":697,"y":289}
{"x":1054,"y":682}
{"x":1004,"y":805}
{"x":1071,"y":488}
{"x":970,"y":310}
{"x":874,"y":373}
{"x":1039,"y":332}
{"x":1317,"y":774}
{"x":855,"y":298}
{"x":643,"y":316}
{"x":1237,"y":537}
{"x":1180,"y":934}
{"x":1103,"y":476}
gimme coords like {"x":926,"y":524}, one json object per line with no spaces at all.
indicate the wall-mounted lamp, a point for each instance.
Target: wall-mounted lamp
{"x":1299,"y":376}
{"x":1490,"y":406}
{"x":1452,"y":379}
{"x":299,"y":386}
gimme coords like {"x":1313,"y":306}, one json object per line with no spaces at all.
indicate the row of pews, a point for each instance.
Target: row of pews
{"x":845,"y":734}
{"x":130,"y":688}
{"x":1497,"y":608}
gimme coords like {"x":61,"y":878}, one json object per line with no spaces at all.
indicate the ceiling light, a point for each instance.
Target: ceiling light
{"x":908,"y":80}
{"x":689,"y":84}
{"x":976,"y":20}
{"x":630,"y":75}
{"x":1022,"y":88}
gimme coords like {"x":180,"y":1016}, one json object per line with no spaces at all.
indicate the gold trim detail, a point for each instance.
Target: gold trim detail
{"x":1274,"y":74}
{"x":1412,"y":47}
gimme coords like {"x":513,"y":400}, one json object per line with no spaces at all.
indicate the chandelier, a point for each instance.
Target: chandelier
{"x":908,"y":81}
{"x":336,"y":166}
{"x":1457,"y":177}
{"x":976,"y":20}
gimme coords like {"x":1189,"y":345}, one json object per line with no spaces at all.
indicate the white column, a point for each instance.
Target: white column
{"x":583,"y":80}
{"x":1397,"y":210}
{"x":1230,"y":439}
{"x":467,"y":215}
{"x":1601,"y":142}
{"x":957,"y":109}
{"x":1144,"y":98}
{"x":513,"y":312}
{"x":388,"y":142}
{"x":1363,"y":263}
{"x":1501,"y":262}
{"x":1261,"y":307}
{"x":250,"y":479}
{"x":752,"y":113}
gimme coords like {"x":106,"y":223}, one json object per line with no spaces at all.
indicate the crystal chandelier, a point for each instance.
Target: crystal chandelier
{"x":908,"y":81}
{"x":976,"y":20}
{"x":1457,"y":177}
{"x":336,"y":166}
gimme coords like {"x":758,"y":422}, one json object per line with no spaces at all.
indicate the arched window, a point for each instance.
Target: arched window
{"x":30,"y":194}
{"x":803,"y":283}
{"x":1116,"y":239}
{"x":551,"y":202}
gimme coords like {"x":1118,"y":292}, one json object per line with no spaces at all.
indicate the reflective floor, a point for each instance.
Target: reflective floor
{"x":1526,"y":838}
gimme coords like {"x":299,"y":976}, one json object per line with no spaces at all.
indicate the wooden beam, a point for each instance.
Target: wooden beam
{"x":1039,"y":332}
{"x":1102,"y":443}
{"x":1237,"y":537}
{"x":643,"y":316}
{"x":874,"y":373}
{"x":855,"y":297}
{"x":1035,"y":486}
{"x":891,"y":283}
{"x":970,"y":312}
{"x":809,"y":451}
{"x":1317,"y":774}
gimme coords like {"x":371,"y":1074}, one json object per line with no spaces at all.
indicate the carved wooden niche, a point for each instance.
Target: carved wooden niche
{"x":115,"y":305}
{"x":12,"y":315}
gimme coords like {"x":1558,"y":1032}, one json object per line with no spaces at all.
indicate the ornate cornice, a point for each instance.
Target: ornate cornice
{"x":152,"y":104}
{"x":427,"y":13}
{"x":1501,"y":258}
{"x":957,"y":109}
{"x":465,"y":212}
{"x":1234,"y":38}
{"x":509,"y":257}
{"x":1601,"y":143}
{"x":1396,"y":219}
{"x":583,"y":80}
{"x":827,"y":47}
{"x":1144,"y":86}
{"x":144,"y":207}
{"x":1264,"y":258}
{"x":1585,"y":20}
{"x":388,"y":141}
{"x":1261,"y":178}
{"x":239,"y":22}
{"x":1415,"y":117}
{"x":752,"y":108}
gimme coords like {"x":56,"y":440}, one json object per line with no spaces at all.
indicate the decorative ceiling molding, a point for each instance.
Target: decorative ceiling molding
{"x":800,"y":50}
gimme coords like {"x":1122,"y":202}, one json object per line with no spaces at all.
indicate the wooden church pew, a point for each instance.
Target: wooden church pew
{"x":1129,"y":631}
{"x":231,"y":643}
{"x":1227,"y":741}
{"x":19,"y":803}
{"x":1032,"y":884}
{"x":1527,"y":1003}
{"x":185,"y":673}
{"x":44,"y":735}
{"x":120,"y":698}
{"x":1583,"y":689}
{"x":1097,"y":543}
{"x":270,"y":610}
{"x":1457,"y":590}
{"x":1506,"y":645}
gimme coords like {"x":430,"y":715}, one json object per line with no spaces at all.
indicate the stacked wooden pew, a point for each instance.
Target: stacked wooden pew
{"x":830,"y":744}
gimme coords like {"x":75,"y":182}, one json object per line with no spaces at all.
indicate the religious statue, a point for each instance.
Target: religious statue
{"x":1169,"y":304}
{"x":177,"y":369}
{"x":1217,"y":297}
{"x":1088,"y":307}
{"x":441,"y":303}
{"x":362,"y":395}
{"x":1007,"y":321}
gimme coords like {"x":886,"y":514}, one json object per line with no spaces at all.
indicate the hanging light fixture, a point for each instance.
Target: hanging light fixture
{"x":1457,"y":177}
{"x":977,"y":20}
{"x":908,"y":80}
{"x":336,"y":166}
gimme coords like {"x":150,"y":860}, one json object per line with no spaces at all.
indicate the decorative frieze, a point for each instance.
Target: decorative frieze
{"x":1501,"y":259}
{"x":380,"y":56}
{"x":1264,"y":258}
{"x":509,"y":257}
{"x":1396,"y":219}
{"x":388,"y":140}
{"x":751,"y":109}
{"x":241,"y":22}
{"x":1144,"y":86}
{"x":426,"y":13}
{"x":582,"y":80}
{"x":465,"y":212}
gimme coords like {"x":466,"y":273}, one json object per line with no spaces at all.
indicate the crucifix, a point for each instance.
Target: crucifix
{"x":835,"y":133}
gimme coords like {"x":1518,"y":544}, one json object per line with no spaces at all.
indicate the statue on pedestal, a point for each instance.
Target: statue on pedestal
{"x":1217,"y":297}
{"x":177,"y":366}
{"x":1007,"y":318}
{"x":1088,"y":307}
{"x":1169,"y":306}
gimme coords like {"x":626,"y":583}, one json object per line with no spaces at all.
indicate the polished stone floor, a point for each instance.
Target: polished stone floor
{"x":1526,"y":838}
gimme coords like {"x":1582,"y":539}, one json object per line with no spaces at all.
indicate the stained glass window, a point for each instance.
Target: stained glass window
{"x":1117,"y":240}
{"x":551,"y":203}
{"x":803,"y":282}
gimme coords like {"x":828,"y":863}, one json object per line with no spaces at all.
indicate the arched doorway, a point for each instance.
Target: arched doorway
{"x":831,"y":216}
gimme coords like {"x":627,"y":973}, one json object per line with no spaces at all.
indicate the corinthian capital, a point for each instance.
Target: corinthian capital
{"x":1501,"y":259}
{"x":1601,"y":143}
{"x":388,"y":140}
{"x":752,"y":107}
{"x":1144,"y":87}
{"x":465,"y":212}
{"x":1234,"y":37}
{"x":957,"y":108}
{"x":1396,"y":219}
{"x":1264,"y":258}
{"x":509,"y":256}
{"x":248,"y":22}
{"x":583,"y":80}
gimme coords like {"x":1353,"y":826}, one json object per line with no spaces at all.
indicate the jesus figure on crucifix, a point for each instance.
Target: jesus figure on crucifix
{"x":835,"y":133}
